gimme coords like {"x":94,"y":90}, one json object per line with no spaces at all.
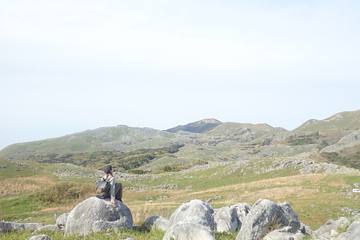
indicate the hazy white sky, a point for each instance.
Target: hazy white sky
{"x":72,"y":65}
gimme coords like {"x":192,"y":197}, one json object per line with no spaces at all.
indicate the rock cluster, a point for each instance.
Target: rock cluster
{"x":197,"y":220}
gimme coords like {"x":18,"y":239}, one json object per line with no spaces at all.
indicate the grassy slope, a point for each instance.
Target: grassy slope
{"x":138,"y":235}
{"x":339,"y":122}
{"x":120,"y":138}
{"x":316,"y":197}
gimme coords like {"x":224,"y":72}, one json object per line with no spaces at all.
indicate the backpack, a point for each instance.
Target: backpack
{"x":102,"y":189}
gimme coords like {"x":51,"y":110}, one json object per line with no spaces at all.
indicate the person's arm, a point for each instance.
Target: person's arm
{"x":112,"y":189}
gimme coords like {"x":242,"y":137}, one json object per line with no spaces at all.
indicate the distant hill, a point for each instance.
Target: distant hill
{"x":343,"y":121}
{"x":346,"y":151}
{"x":196,"y":127}
{"x":334,"y":139}
{"x":118,"y":138}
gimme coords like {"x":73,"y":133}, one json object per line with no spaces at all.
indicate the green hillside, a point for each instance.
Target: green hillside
{"x":119,"y":138}
{"x":197,"y":143}
{"x":196,"y":127}
{"x":343,"y":121}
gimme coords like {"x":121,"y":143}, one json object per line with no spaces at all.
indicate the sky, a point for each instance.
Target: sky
{"x":67,"y":66}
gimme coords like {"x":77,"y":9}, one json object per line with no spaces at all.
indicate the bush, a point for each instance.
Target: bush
{"x":64,"y":192}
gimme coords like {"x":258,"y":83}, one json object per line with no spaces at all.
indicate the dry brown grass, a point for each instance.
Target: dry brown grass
{"x":14,"y":186}
{"x":300,"y":190}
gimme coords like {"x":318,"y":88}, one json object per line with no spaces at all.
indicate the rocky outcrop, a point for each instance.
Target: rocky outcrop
{"x":156,"y":222}
{"x":349,"y":141}
{"x":196,"y":220}
{"x":14,"y":226}
{"x":191,"y":221}
{"x":94,"y":214}
{"x":266,"y":216}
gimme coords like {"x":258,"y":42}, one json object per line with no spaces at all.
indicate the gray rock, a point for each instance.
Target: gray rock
{"x":226,"y":219}
{"x":284,"y":234}
{"x":61,"y":220}
{"x":40,"y":237}
{"x":195,"y":211}
{"x":291,"y":216}
{"x":188,"y":231}
{"x":330,"y":229}
{"x":352,"y":233}
{"x":50,"y":228}
{"x":191,"y":221}
{"x":14,"y":226}
{"x":305,"y":229}
{"x":96,"y":214}
{"x":242,"y":210}
{"x":156,"y":222}
{"x":102,"y":225}
{"x":264,"y":217}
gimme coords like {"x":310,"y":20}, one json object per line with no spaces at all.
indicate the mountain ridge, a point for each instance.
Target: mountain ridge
{"x":194,"y":143}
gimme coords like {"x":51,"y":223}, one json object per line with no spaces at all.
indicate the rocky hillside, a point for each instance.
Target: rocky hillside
{"x":343,"y":121}
{"x":334,"y":140}
{"x":197,"y":127}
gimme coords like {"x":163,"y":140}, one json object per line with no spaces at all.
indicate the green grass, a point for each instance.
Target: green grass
{"x":20,"y":207}
{"x":123,"y":234}
{"x":12,"y":169}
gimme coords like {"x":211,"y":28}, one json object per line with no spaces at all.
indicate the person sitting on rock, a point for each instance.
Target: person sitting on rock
{"x":106,"y":187}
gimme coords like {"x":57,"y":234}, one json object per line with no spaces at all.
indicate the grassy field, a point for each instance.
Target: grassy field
{"x":138,"y":235}
{"x":38,"y":196}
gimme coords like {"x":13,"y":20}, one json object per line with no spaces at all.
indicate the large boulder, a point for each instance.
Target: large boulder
{"x":156,"y":222}
{"x":242,"y":210}
{"x":229,"y":219}
{"x":266,"y":216}
{"x":96,"y":214}
{"x":14,"y":226}
{"x":191,"y":221}
{"x":226,"y":220}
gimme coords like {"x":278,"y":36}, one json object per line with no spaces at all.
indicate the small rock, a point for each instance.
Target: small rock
{"x":61,"y":220}
{"x":50,"y":228}
{"x":40,"y":237}
{"x":156,"y":222}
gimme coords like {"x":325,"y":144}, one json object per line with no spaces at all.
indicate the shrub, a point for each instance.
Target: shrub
{"x":64,"y":192}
